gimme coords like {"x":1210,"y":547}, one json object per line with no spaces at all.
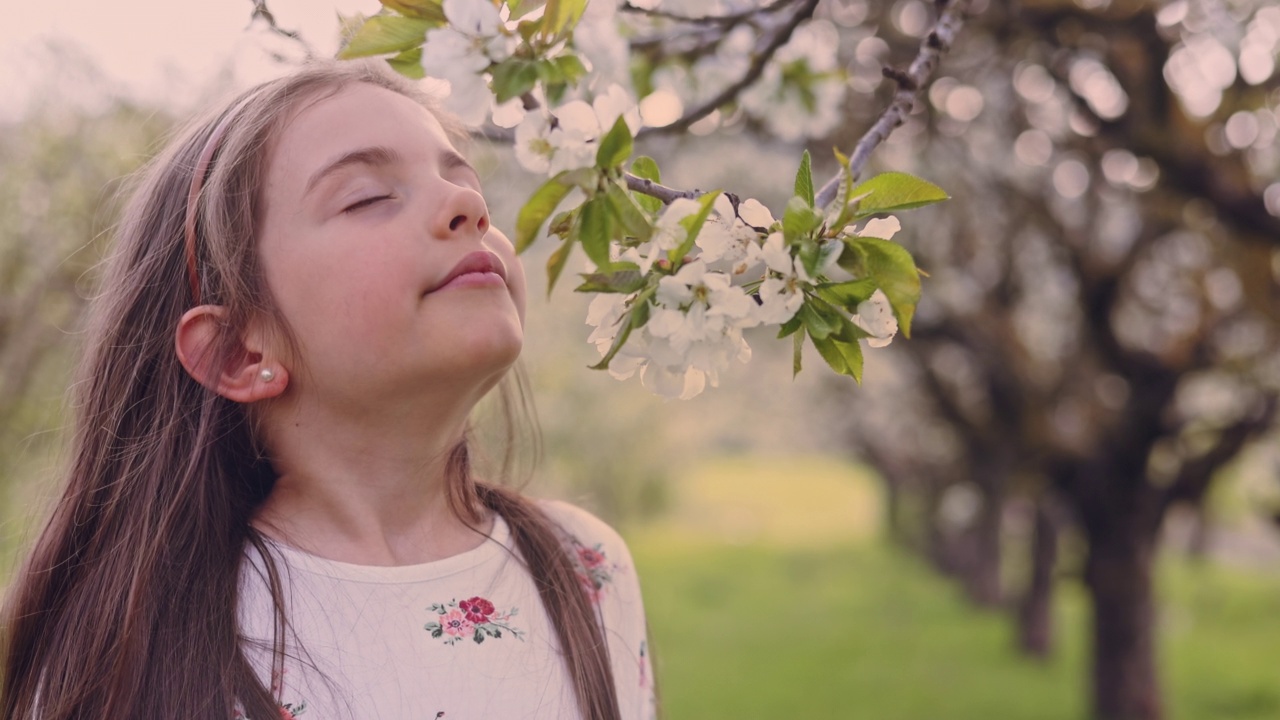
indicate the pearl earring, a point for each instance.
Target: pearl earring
{"x":267,"y":375}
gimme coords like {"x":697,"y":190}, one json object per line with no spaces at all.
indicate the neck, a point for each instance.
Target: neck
{"x":369,"y":488}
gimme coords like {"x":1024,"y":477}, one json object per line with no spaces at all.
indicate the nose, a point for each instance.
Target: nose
{"x":462,"y":214}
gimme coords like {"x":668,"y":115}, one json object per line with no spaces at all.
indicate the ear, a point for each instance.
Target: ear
{"x":248,"y":375}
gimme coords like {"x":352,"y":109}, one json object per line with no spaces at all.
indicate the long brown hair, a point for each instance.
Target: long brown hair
{"x":127,"y":605}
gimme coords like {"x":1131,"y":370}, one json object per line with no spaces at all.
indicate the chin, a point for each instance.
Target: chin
{"x":487,"y":353}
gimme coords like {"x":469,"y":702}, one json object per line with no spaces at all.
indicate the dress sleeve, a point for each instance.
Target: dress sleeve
{"x":608,"y":575}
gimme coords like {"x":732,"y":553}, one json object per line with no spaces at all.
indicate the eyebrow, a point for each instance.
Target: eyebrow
{"x":380,"y":156}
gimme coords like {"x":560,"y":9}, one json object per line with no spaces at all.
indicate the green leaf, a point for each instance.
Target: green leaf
{"x":561,"y":15}
{"x":596,"y":230}
{"x":640,"y":308}
{"x":827,"y":349}
{"x":646,"y":168}
{"x":513,"y":78}
{"x":693,"y":225}
{"x":562,"y":223}
{"x":520,"y":8}
{"x":840,"y":212}
{"x":799,"y":220}
{"x":892,"y":191}
{"x":526,"y":29}
{"x":789,"y":326}
{"x":408,"y":64}
{"x":570,"y":67}
{"x":815,"y":256}
{"x":618,"y":281}
{"x":541,"y":204}
{"x":383,"y":34}
{"x":421,"y":9}
{"x":615,"y":147}
{"x":847,"y":295}
{"x":797,"y":348}
{"x":556,"y":263}
{"x":893,"y":269}
{"x":804,"y":179}
{"x":844,"y":358}
{"x":633,"y":220}
{"x":818,"y":326}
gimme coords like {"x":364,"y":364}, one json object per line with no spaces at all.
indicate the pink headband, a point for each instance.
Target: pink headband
{"x":197,"y":184}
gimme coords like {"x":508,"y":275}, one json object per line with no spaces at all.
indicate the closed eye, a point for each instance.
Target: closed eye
{"x":365,"y":203}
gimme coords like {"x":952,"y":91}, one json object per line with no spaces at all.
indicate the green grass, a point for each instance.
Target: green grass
{"x":846,"y":632}
{"x":768,"y":597}
{"x":863,"y":631}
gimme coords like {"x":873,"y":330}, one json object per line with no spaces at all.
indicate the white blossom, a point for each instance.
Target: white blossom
{"x":781,"y":295}
{"x":694,"y":286}
{"x":460,"y":52}
{"x":567,"y":143}
{"x":694,"y":332}
{"x":615,"y":102}
{"x":876,"y":317}
{"x":792,"y":112}
{"x":729,"y":242}
{"x":469,"y":98}
{"x":668,"y":232}
{"x":600,"y":45}
{"x":883,"y":228}
{"x":508,"y":114}
{"x":673,"y":381}
{"x":533,"y":143}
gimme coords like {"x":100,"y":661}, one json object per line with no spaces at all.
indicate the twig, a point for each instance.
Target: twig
{"x":260,"y":10}
{"x":662,"y":192}
{"x":728,"y":21}
{"x":911,"y":83}
{"x":753,"y":73}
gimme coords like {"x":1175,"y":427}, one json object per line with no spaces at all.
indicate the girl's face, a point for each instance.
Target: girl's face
{"x":379,"y":253}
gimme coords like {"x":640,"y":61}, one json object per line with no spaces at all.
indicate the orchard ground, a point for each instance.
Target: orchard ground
{"x":785,"y":602}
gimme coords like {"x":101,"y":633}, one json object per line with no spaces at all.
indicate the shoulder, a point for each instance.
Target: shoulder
{"x":581,"y":525}
{"x":603,"y":561}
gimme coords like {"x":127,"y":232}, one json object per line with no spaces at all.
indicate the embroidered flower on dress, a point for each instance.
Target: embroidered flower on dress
{"x":595,"y":572}
{"x":474,"y":618}
{"x":477,"y":609}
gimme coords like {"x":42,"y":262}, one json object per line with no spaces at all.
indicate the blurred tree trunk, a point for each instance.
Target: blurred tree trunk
{"x":982,"y":566}
{"x":1035,"y":611}
{"x":1119,"y":576}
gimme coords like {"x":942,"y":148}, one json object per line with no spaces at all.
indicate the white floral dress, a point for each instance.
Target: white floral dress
{"x":463,"y":638}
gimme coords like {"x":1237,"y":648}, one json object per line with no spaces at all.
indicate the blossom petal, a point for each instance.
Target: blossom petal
{"x":883,"y":228}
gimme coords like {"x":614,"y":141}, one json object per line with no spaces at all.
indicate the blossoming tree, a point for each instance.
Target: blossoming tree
{"x":678,"y":275}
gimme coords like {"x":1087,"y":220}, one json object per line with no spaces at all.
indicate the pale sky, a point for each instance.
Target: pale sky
{"x":162,"y":51}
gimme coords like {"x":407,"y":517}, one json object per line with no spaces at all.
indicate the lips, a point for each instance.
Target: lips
{"x":478,"y":262}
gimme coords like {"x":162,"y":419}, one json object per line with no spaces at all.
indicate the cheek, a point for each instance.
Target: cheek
{"x":344,"y":299}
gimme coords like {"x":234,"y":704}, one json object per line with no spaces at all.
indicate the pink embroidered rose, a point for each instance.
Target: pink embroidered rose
{"x":590,"y":558}
{"x":456,"y":624}
{"x":477,"y":610}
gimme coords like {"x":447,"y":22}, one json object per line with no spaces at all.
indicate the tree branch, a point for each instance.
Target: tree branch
{"x":1194,"y":477}
{"x":662,"y":192}
{"x":727,"y":21}
{"x":911,"y":83}
{"x":261,"y":11}
{"x":753,"y":73}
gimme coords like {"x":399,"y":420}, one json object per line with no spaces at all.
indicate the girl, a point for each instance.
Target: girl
{"x":271,"y":508}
